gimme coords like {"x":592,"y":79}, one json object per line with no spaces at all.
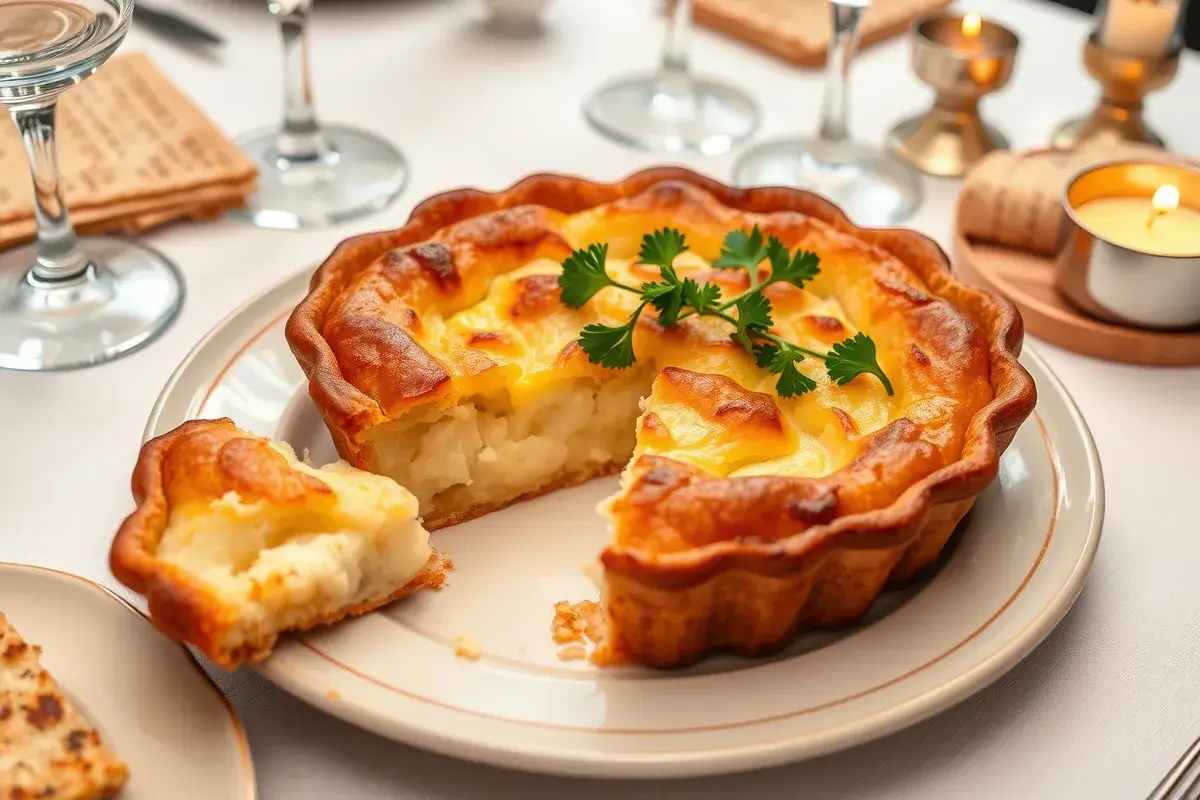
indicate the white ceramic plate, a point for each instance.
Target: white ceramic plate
{"x":1015,"y":570}
{"x":148,"y":698}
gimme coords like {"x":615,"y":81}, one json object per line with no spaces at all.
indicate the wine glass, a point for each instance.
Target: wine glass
{"x":672,"y":109}
{"x":312,"y":175}
{"x":870,"y":185}
{"x":66,"y":301}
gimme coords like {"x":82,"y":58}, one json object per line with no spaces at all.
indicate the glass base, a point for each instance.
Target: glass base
{"x":360,"y":174}
{"x":871,"y":186}
{"x":673,"y":113}
{"x":129,"y":295}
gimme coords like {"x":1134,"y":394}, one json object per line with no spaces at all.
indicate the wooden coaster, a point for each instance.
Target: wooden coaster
{"x":800,"y":30}
{"x":1027,"y":280}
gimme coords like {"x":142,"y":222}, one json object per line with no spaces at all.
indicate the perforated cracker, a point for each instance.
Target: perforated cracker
{"x":800,"y":30}
{"x":133,"y":150}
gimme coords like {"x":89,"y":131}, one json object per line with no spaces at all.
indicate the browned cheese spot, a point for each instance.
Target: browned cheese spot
{"x":535,"y":296}
{"x":46,"y":713}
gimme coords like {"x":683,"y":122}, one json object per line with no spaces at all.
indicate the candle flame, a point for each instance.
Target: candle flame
{"x":971,"y":25}
{"x":1165,"y":199}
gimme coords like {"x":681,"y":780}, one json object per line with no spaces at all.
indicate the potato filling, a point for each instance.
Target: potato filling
{"x":483,"y":451}
{"x":290,"y":566}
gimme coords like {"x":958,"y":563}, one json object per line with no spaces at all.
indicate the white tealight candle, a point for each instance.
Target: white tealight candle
{"x":1158,"y":225}
{"x":1142,"y":28}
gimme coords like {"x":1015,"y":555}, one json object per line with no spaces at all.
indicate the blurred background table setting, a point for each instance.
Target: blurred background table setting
{"x":224,"y":146}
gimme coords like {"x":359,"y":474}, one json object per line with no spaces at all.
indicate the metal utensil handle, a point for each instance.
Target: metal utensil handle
{"x":1183,"y":781}
{"x":174,"y":25}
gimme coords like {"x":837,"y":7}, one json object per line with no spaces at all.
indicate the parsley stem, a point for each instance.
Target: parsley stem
{"x":784,"y":343}
{"x":753,"y":289}
{"x":725,"y":317}
{"x":717,"y":312}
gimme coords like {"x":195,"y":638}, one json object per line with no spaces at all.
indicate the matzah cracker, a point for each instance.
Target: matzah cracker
{"x":47,"y":748}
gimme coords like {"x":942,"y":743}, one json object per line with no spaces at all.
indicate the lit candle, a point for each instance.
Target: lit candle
{"x":972,"y":24}
{"x":1165,"y":199}
{"x":1142,"y":28}
{"x":1156,"y":225}
{"x":1132,"y":249}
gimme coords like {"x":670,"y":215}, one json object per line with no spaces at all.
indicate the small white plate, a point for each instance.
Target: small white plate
{"x":1011,"y":576}
{"x":153,"y":705}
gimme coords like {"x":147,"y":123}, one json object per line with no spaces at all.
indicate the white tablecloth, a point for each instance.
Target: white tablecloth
{"x":1100,"y":710}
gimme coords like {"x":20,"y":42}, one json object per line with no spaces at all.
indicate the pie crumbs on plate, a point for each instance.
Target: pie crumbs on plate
{"x":468,"y":648}
{"x":47,"y":749}
{"x":574,"y":626}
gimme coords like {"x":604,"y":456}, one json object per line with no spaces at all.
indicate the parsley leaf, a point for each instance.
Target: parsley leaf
{"x":702,"y":297}
{"x":660,"y":249}
{"x":583,"y":275}
{"x":667,"y":298}
{"x":742,"y":250}
{"x":754,"y":316}
{"x":609,"y":346}
{"x":796,"y":270}
{"x":793,"y":382}
{"x":852,"y":357}
{"x":764,"y":354}
{"x":781,"y":359}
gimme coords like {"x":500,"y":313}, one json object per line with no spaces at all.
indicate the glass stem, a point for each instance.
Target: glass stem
{"x":58,"y":255}
{"x":834,"y":125}
{"x":675,"y":52}
{"x":300,"y":138}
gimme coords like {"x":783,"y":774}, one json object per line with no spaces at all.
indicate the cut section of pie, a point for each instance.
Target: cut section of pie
{"x":442,"y":356}
{"x":47,"y":748}
{"x":235,"y":540}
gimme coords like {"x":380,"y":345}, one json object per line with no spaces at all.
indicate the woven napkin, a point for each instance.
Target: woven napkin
{"x":134,"y":152}
{"x":800,"y":30}
{"x":1014,"y":199}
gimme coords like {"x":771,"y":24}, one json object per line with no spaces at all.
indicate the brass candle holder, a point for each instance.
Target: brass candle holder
{"x":1124,"y":80}
{"x":963,"y":58}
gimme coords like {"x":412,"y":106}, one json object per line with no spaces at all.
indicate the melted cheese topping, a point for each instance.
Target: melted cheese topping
{"x":813,"y":434}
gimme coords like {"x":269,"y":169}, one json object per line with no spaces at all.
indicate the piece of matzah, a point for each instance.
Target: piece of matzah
{"x":47,"y":748}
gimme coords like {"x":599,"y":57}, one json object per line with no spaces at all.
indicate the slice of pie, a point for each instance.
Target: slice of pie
{"x":47,"y":748}
{"x":235,"y":540}
{"x":442,"y":356}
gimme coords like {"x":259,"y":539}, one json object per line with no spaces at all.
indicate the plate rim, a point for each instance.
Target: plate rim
{"x":221,"y":327}
{"x":250,"y":783}
{"x":736,"y":758}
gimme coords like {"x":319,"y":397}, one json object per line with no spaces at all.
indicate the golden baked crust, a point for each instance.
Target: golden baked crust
{"x":47,"y":748}
{"x":205,"y":460}
{"x":737,"y":542}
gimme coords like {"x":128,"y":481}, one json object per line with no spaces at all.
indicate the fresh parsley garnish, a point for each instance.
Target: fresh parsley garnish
{"x":660,"y":249}
{"x":742,"y":250}
{"x":753,"y":319}
{"x":609,"y":346}
{"x":667,"y":299}
{"x":781,"y":359}
{"x":853,"y":357}
{"x":701,"y":298}
{"x":796,"y":270}
{"x":584,"y":275}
